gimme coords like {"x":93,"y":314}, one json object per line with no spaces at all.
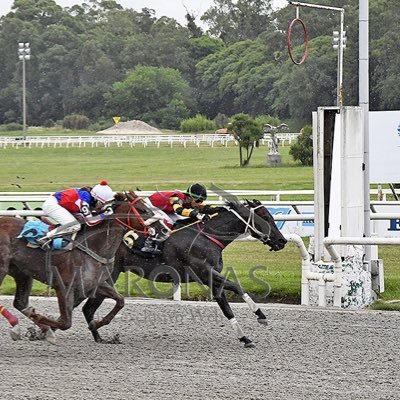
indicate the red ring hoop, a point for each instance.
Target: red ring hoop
{"x":305,"y":39}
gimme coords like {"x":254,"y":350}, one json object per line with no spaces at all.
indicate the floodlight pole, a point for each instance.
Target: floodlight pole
{"x":339,"y":89}
{"x":24,"y":53}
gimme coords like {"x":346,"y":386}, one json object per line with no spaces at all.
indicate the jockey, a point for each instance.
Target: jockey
{"x":170,"y":206}
{"x":61,"y":206}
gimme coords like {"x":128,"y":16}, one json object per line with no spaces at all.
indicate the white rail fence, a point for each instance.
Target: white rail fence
{"x":134,"y":140}
{"x":30,"y":201}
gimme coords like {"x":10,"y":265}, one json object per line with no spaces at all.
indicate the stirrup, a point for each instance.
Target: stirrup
{"x":45,"y":244}
{"x":42,"y":240}
{"x":150,"y":250}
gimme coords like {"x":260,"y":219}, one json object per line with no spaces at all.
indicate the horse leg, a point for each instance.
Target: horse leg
{"x":4,"y":268}
{"x":104,"y":290}
{"x":13,"y":321}
{"x":89,"y":309}
{"x":93,"y":303}
{"x":21,"y":299}
{"x":226,"y":309}
{"x":232,"y":286}
{"x":65,"y":305}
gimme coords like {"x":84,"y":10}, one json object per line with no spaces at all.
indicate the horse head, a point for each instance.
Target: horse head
{"x":275,"y":239}
{"x":131,"y":211}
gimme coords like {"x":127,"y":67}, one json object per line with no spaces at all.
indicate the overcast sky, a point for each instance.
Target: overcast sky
{"x":170,"y":8}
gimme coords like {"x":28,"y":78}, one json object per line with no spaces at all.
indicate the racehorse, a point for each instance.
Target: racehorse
{"x":76,"y":274}
{"x":194,"y":254}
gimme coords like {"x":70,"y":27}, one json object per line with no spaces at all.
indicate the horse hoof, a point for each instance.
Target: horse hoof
{"x":247,"y":342}
{"x":28,"y":311}
{"x":262,"y":321}
{"x":15,"y":332}
{"x":50,"y":337}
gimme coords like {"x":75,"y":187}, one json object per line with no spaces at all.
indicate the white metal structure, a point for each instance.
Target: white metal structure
{"x":339,"y":90}
{"x":338,"y":174}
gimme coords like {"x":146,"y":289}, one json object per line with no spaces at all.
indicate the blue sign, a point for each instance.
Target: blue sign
{"x":279,"y":211}
{"x":394,"y":225}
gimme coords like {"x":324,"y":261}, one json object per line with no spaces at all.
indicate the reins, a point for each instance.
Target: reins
{"x":132,"y":209}
{"x":212,"y":238}
{"x":249,"y":224}
{"x":191,"y":224}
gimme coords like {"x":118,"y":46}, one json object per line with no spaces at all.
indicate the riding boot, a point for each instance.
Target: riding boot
{"x":61,"y":230}
{"x":151,"y":246}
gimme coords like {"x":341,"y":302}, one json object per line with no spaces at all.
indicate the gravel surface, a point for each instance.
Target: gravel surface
{"x":187,"y":350}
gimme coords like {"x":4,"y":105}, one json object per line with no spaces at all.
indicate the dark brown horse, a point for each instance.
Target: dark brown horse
{"x":74,"y":275}
{"x":194,"y":254}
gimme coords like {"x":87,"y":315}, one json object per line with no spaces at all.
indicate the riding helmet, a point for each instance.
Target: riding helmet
{"x":102,"y":192}
{"x":197,"y":192}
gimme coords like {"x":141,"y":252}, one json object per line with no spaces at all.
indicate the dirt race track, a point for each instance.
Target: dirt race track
{"x":188,"y":351}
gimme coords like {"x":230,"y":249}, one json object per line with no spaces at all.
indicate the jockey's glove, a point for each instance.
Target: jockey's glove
{"x":108,"y":210}
{"x":203,"y":217}
{"x":209,"y":209}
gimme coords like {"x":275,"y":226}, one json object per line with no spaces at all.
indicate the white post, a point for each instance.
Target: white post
{"x":177,"y":291}
{"x":364,"y":104}
{"x":340,"y":61}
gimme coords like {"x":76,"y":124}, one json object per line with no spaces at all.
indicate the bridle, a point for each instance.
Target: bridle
{"x":249,"y":227}
{"x":133,"y":211}
{"x":250,"y":224}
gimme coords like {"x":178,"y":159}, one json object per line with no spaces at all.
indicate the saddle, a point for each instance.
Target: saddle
{"x":34,"y":230}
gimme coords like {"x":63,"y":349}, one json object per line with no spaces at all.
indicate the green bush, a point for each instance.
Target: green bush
{"x":199,"y":123}
{"x":76,"y":121}
{"x":302,"y":149}
{"x":100,"y":125}
{"x":49,"y":123}
{"x":11,"y":127}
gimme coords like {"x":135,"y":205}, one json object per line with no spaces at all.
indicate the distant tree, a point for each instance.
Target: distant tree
{"x":195,"y":31}
{"x":302,"y":149}
{"x":234,"y":21}
{"x":146,"y":91}
{"x":248,"y":133}
{"x":221,"y":121}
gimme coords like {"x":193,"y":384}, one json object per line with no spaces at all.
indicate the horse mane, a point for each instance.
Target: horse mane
{"x":119,"y":196}
{"x":234,"y":204}
{"x":123,"y":196}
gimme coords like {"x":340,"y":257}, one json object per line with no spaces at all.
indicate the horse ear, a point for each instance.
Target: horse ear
{"x":131,"y":195}
{"x":119,"y":196}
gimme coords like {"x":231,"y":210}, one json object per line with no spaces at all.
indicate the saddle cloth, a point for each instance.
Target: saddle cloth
{"x":33,"y":230}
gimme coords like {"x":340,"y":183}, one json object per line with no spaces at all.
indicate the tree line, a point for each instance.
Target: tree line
{"x":99,"y":59}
